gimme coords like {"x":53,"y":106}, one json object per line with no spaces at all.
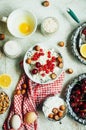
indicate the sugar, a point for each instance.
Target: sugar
{"x":50,"y":25}
{"x":12,"y":49}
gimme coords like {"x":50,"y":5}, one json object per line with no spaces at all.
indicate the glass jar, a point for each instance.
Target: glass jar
{"x":49,"y":26}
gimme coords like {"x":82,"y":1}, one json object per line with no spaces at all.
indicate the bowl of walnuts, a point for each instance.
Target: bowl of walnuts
{"x":54,"y":108}
{"x":4,"y":102}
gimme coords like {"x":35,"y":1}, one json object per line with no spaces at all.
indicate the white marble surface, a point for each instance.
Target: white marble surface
{"x":57,"y":8}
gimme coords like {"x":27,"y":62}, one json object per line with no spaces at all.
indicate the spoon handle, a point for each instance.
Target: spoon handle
{"x":73,"y":15}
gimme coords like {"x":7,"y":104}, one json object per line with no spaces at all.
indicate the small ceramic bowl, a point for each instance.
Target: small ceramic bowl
{"x":12,"y":49}
{"x":4,"y":101}
{"x":54,"y":108}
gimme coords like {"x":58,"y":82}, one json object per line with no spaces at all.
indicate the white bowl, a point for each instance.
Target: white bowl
{"x":36,"y":78}
{"x":18,"y":17}
{"x":53,"y":102}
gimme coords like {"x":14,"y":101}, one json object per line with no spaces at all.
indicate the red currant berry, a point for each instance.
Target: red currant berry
{"x":41,"y":50}
{"x":43,"y":74}
{"x":40,"y":68}
{"x":47,"y":71}
{"x":53,"y":59}
{"x":49,"y":54}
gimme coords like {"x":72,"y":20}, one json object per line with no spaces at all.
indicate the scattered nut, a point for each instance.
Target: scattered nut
{"x":60,"y":65}
{"x":28,"y":60}
{"x":59,"y":59}
{"x":37,"y":48}
{"x":53,"y":75}
{"x":51,"y":115}
{"x":56,"y":117}
{"x":23,"y":91}
{"x":60,"y":114}
{"x":61,"y":43}
{"x":24,"y":86}
{"x":55,"y":110}
{"x":18,"y":92}
{"x":62,"y":108}
{"x":45,"y":3}
{"x":70,"y":71}
{"x":2,"y":36}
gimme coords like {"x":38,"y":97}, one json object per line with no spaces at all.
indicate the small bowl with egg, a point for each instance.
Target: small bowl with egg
{"x":54,"y":108}
{"x":21,"y":23}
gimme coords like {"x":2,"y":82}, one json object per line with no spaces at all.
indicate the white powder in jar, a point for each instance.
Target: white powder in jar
{"x":12,"y":49}
{"x":49,"y":25}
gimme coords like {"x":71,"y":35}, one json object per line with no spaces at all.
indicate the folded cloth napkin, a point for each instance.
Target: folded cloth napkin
{"x":34,"y":96}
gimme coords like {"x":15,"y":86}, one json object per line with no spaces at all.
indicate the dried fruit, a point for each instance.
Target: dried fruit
{"x":28,"y":61}
{"x":37,"y":48}
{"x":70,"y":71}
{"x":45,"y":3}
{"x":53,"y":75}
{"x":61,"y":43}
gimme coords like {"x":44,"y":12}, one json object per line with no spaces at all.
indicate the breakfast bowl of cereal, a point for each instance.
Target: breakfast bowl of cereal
{"x":43,"y":64}
{"x":54,"y":108}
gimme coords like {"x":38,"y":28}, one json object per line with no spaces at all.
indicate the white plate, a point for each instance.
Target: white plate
{"x":53,"y":102}
{"x":27,"y":67}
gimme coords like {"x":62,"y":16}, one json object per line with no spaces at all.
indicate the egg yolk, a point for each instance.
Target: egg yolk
{"x":24,"y":28}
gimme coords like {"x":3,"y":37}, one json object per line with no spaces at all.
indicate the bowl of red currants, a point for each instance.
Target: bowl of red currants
{"x":76,"y":99}
{"x":43,"y":64}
